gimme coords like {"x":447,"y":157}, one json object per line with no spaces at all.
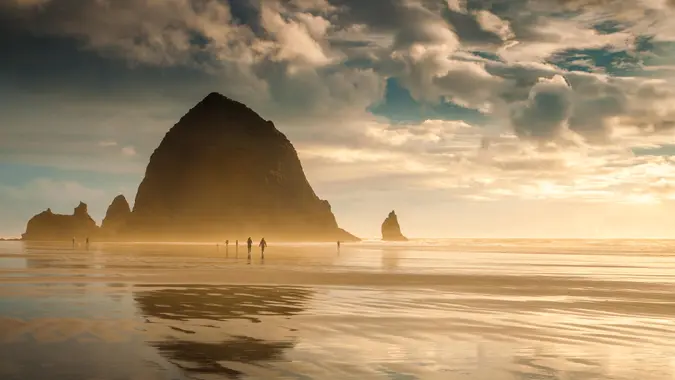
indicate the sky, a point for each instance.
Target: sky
{"x":470,"y":118}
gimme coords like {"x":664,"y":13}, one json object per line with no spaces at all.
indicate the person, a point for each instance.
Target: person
{"x":236,"y":247}
{"x":73,"y":242}
{"x":338,"y":245}
{"x":87,"y":242}
{"x":227,"y":247}
{"x":262,"y":246}
{"x":249,"y":244}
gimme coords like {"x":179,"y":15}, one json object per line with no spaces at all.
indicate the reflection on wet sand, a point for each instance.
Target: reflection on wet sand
{"x":501,"y":310}
{"x":390,"y":260}
{"x":221,"y":303}
{"x":193,"y":305}
{"x":196,"y":357}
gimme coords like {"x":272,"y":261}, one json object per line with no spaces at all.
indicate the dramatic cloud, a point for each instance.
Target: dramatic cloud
{"x":545,"y":113}
{"x":529,"y":99}
{"x":456,"y":158}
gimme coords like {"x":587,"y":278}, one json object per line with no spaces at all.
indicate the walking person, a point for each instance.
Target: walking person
{"x":338,"y":246}
{"x":227,"y":247}
{"x":262,"y":245}
{"x":249,"y":244}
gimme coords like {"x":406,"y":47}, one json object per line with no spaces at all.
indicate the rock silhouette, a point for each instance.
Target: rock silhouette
{"x":391,"y":230}
{"x":116,"y":217}
{"x":47,"y":226}
{"x":224,"y":172}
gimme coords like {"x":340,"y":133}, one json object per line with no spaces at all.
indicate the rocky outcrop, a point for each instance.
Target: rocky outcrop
{"x":223,"y":172}
{"x":391,"y":230}
{"x":116,"y":217}
{"x":47,"y":226}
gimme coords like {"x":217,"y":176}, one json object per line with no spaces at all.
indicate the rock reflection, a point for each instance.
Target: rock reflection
{"x":390,"y":260}
{"x":206,"y":358}
{"x":198,"y":353}
{"x":221,"y":303}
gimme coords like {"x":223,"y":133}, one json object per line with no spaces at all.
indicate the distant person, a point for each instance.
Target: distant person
{"x":249,"y":244}
{"x":262,"y":245}
{"x":87,"y":242}
{"x":227,"y":247}
{"x":338,"y":245}
{"x":236,"y":247}
{"x":73,"y":242}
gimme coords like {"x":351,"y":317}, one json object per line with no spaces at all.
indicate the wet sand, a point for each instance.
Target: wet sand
{"x":454,"y":309}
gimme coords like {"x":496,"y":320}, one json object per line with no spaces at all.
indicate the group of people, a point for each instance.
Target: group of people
{"x":86,"y":242}
{"x":249,"y":245}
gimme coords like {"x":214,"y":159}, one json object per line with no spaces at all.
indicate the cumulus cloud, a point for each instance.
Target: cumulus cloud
{"x":456,"y":158}
{"x":544,"y":115}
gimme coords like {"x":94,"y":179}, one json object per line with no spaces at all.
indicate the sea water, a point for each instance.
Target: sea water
{"x":434,"y":309}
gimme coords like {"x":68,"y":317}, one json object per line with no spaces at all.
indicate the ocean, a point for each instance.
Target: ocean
{"x":425,"y":309}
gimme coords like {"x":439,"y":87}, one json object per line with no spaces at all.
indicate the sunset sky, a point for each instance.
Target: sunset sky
{"x":470,"y":118}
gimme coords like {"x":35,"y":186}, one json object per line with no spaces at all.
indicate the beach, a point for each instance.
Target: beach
{"x":423,"y":309}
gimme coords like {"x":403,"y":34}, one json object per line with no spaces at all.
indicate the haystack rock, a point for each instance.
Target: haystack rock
{"x":47,"y":226}
{"x":391,"y":230}
{"x":223,"y":172}
{"x":116,"y":217}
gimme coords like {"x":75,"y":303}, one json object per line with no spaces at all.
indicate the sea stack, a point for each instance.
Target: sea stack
{"x":116,"y":217}
{"x":47,"y":226}
{"x":223,"y":172}
{"x":391,"y":230}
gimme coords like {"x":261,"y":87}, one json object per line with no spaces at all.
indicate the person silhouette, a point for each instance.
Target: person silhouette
{"x":338,"y":245}
{"x":262,"y":245}
{"x":73,"y":242}
{"x":236,"y":247}
{"x":249,"y":244}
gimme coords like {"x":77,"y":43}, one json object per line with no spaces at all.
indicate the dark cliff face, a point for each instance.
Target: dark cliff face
{"x":47,"y":226}
{"x":223,"y":172}
{"x":391,"y":230}
{"x":117,"y":216}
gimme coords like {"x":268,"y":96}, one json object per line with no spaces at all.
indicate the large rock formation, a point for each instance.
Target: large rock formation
{"x":116,"y":217}
{"x":391,"y":230}
{"x":223,"y":172}
{"x":47,"y":226}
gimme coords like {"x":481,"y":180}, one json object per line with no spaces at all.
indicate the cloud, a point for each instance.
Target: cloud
{"x":544,"y":114}
{"x":129,"y":151}
{"x":52,"y":191}
{"x":115,"y":137}
{"x":315,"y":67}
{"x":457,"y":158}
